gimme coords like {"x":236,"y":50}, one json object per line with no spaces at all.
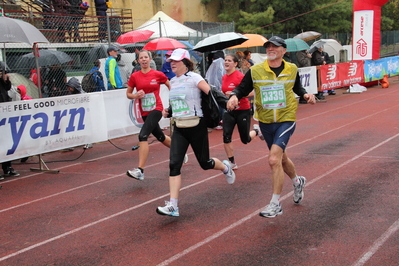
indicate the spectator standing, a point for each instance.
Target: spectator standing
{"x":112,"y":70}
{"x":185,"y":99}
{"x":61,"y":22}
{"x":77,"y":9}
{"x":74,"y":87}
{"x":166,"y":69}
{"x":304,"y":60}
{"x":55,"y":80}
{"x":101,"y":12}
{"x":33,"y":77}
{"x":214,"y":76}
{"x":319,"y":57}
{"x":98,"y":76}
{"x":276,"y":115}
{"x":247,"y":55}
{"x":244,"y":64}
{"x":22,"y":91}
{"x":5,"y":86}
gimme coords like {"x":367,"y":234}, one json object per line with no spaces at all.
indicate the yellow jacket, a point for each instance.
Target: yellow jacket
{"x":268,"y":86}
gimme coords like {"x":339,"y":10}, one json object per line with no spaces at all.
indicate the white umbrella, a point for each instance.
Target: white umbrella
{"x":330,"y":46}
{"x":15,"y":30}
{"x":220,"y":41}
{"x":308,"y":35}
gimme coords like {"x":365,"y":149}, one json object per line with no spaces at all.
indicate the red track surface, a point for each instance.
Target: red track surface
{"x":91,"y":213}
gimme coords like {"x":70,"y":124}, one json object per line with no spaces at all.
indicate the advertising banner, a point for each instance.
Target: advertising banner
{"x":363,"y":26}
{"x":43,"y":125}
{"x":341,"y":75}
{"x":309,"y":78}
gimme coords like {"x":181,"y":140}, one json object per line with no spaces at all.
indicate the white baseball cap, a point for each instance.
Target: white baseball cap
{"x":178,"y":55}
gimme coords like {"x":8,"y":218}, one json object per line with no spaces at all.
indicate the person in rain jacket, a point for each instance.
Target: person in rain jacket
{"x":22,"y":91}
{"x":74,"y":87}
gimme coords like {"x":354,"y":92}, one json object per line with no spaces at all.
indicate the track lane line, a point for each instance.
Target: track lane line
{"x":368,"y":254}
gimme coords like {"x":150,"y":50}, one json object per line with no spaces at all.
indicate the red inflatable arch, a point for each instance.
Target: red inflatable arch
{"x":369,"y":5}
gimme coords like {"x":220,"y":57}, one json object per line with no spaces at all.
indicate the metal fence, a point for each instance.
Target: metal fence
{"x":85,"y":38}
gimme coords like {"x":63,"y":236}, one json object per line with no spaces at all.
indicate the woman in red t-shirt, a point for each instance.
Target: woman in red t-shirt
{"x":147,"y":82}
{"x":240,"y":116}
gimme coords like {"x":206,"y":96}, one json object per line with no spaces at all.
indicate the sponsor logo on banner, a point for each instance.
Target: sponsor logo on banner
{"x":135,"y":114}
{"x":308,"y":78}
{"x":341,"y":75}
{"x":363,"y":23}
{"x":329,"y":77}
{"x":42,"y":125}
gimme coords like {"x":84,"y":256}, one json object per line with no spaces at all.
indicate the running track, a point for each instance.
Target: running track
{"x":91,"y":213}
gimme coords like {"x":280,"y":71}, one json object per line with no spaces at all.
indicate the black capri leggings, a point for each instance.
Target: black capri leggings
{"x":243,"y":120}
{"x":197,"y":137}
{"x":151,"y":125}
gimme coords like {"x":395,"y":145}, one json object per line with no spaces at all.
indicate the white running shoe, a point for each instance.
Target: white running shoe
{"x":272,"y":210}
{"x":257,"y":129}
{"x":168,"y":210}
{"x":185,"y":158}
{"x":230,"y":175}
{"x":136,"y":174}
{"x":298,"y":189}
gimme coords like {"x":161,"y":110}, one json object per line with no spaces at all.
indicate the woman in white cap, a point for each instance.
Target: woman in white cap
{"x":185,"y":101}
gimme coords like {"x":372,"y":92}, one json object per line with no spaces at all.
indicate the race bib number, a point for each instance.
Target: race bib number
{"x":148,"y":102}
{"x":273,"y":97}
{"x":179,"y":105}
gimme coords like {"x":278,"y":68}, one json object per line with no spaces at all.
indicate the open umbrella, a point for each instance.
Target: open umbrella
{"x":308,"y":35}
{"x":253,"y":41}
{"x":134,"y":36}
{"x":31,"y":88}
{"x":294,"y":45}
{"x":100,"y":51}
{"x":331,"y":46}
{"x":3,"y":66}
{"x":163,"y":43}
{"x":15,"y":30}
{"x":46,"y":58}
{"x":220,"y":41}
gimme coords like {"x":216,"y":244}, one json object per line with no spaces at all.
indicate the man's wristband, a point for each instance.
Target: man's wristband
{"x":233,"y":93}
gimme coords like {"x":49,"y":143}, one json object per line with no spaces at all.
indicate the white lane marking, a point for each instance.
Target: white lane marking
{"x":377,"y":244}
{"x":199,"y":244}
{"x":241,"y":221}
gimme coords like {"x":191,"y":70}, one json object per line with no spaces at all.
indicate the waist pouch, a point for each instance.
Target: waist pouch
{"x":186,"y":122}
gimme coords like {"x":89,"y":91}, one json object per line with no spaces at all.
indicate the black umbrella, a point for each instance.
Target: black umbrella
{"x":219,"y":42}
{"x":46,"y":58}
{"x":3,"y":66}
{"x":100,"y":51}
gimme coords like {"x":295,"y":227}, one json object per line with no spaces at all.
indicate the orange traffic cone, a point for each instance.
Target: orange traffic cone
{"x":385,"y":82}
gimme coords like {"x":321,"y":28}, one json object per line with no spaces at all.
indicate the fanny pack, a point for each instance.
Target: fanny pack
{"x":186,"y":122}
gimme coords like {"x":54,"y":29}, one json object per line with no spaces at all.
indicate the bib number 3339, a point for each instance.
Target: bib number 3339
{"x":273,"y":96}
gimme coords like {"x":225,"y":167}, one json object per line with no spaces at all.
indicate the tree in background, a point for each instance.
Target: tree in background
{"x":276,"y":16}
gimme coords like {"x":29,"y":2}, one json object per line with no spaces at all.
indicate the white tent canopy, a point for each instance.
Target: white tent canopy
{"x":170,"y":28}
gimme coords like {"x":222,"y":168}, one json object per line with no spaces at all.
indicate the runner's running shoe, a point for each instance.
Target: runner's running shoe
{"x":136,"y":174}
{"x":272,"y":210}
{"x":233,"y":166}
{"x":298,"y":189}
{"x":230,"y":175}
{"x":168,"y":210}
{"x":185,"y":158}
{"x":257,"y":129}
